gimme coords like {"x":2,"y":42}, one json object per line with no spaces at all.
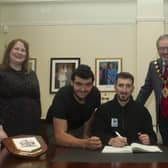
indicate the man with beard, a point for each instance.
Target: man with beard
{"x":72,"y":109}
{"x":157,"y":81}
{"x":122,"y":121}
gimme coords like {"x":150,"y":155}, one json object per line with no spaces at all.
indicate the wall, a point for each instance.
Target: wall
{"x":166,"y":15}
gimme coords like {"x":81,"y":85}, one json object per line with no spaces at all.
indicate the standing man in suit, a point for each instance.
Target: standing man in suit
{"x":157,"y":81}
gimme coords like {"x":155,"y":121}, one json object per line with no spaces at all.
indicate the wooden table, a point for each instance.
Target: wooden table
{"x":7,"y":160}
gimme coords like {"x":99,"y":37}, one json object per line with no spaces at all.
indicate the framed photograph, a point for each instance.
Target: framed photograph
{"x":60,"y":72}
{"x":106,"y":71}
{"x":32,"y":64}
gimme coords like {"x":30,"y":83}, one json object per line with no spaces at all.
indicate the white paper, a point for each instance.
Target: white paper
{"x":111,"y":149}
{"x":134,"y":147}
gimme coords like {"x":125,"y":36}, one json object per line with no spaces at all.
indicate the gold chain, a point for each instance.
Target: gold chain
{"x":158,"y":70}
{"x":164,"y":81}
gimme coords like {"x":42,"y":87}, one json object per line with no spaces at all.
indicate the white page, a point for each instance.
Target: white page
{"x":145,"y":148}
{"x":111,"y":149}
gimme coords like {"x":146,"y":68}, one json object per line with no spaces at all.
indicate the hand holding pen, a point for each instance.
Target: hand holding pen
{"x":118,"y":141}
{"x":118,"y":134}
{"x":124,"y":138}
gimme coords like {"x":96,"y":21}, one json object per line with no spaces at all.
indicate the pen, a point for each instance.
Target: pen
{"x":118,"y":134}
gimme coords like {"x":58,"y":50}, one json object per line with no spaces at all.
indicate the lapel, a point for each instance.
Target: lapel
{"x":160,"y":64}
{"x":158,"y":81}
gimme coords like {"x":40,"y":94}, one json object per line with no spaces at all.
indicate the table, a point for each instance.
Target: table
{"x":51,"y":160}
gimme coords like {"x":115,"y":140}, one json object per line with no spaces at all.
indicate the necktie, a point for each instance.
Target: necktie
{"x":164,"y":99}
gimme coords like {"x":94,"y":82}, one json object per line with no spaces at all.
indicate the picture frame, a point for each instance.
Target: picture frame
{"x":106,"y":70}
{"x":60,"y":72}
{"x":32,"y":64}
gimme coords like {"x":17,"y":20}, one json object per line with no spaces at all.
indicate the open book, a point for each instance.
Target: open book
{"x":27,"y":144}
{"x":134,"y":147}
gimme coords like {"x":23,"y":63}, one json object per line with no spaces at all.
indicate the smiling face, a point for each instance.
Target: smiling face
{"x":17,"y":54}
{"x":81,"y":88}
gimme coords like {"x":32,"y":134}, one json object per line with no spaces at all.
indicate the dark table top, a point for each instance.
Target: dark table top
{"x":60,"y":157}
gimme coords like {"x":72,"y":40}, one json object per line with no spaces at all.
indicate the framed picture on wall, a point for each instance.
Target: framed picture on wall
{"x":106,"y":71}
{"x":60,"y":72}
{"x":32,"y":64}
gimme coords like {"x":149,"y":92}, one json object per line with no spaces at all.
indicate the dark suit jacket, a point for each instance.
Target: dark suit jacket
{"x":152,"y":83}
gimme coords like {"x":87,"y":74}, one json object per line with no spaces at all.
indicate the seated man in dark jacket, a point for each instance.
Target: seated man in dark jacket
{"x":122,"y":120}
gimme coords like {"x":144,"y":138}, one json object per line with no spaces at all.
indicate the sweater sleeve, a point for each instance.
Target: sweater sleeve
{"x":148,"y":127}
{"x":147,"y":88}
{"x":99,"y":126}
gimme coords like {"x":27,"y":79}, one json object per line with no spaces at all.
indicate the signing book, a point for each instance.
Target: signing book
{"x":134,"y":147}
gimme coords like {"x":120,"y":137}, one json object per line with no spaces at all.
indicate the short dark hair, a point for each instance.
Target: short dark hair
{"x":125,"y":75}
{"x":83,"y":71}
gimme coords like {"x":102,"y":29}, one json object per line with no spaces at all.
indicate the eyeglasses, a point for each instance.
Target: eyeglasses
{"x":163,"y":48}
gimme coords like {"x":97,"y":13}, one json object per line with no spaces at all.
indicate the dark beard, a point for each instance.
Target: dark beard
{"x":121,"y":100}
{"x":80,"y":100}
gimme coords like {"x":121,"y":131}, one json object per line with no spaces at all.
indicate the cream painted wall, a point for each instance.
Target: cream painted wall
{"x":166,"y":16}
{"x":68,"y":13}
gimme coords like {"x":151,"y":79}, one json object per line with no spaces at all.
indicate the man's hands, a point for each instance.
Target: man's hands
{"x":144,"y":138}
{"x":93,"y":143}
{"x":118,"y":141}
{"x":122,"y":141}
{"x":2,"y":133}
